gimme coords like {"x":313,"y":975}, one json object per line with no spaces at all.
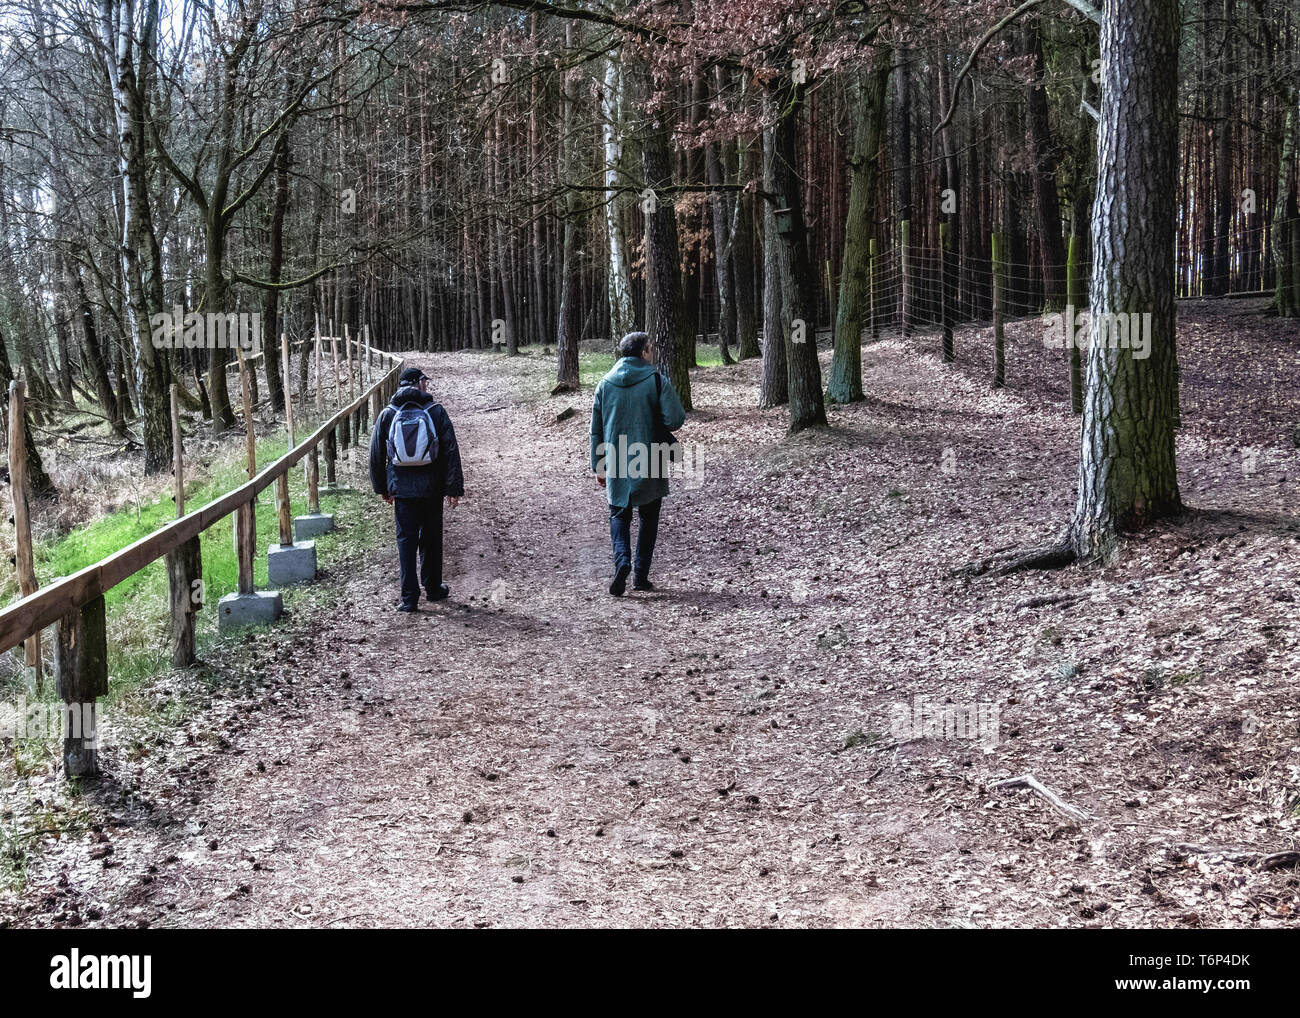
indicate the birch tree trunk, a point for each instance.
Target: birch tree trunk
{"x":139,"y":250}
{"x":622,"y":319}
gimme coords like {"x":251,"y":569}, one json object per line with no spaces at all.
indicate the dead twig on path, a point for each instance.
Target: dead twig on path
{"x":1038,"y":788}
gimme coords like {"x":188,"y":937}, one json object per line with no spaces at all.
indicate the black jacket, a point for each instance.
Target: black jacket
{"x":442,"y":477}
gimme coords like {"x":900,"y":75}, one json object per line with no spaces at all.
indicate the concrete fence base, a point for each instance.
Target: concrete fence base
{"x":312,"y":525}
{"x":259,"y":608}
{"x":287,"y":564}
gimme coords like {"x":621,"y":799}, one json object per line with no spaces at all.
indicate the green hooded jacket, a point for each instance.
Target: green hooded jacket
{"x":623,"y":446}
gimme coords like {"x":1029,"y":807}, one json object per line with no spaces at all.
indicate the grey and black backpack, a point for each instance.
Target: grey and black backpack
{"x":412,"y":438}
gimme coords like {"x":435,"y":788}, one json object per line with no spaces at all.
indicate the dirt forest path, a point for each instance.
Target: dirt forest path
{"x":726,"y":751}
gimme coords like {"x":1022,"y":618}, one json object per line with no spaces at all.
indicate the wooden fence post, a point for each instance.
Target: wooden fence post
{"x":331,"y":455}
{"x":23,"y":558}
{"x":363,"y":354}
{"x":320,"y":412}
{"x":1076,"y":296}
{"x":353,"y":419}
{"x":342,"y":426}
{"x":245,"y":515}
{"x":349,"y":348}
{"x":184,"y":564}
{"x":251,"y":364}
{"x":999,"y":309}
{"x":907,"y":287}
{"x":946,"y":286}
{"x":81,"y":677}
{"x":282,"y":482}
{"x":338,"y":391}
{"x":283,"y":510}
{"x":873,"y":268}
{"x":313,"y":481}
{"x":288,"y":403}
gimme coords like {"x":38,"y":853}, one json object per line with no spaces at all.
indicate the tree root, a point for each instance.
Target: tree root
{"x":1007,"y":561}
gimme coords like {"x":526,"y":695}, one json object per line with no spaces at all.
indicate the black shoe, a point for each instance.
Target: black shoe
{"x":642,"y":583}
{"x":404,"y":607}
{"x":442,"y":593}
{"x":620,"y":581}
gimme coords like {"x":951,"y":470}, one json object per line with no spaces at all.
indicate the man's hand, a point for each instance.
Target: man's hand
{"x":453,"y":501}
{"x":600,"y":479}
{"x":387,"y":498}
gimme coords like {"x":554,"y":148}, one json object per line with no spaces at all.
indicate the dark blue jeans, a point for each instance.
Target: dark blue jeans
{"x":620,"y":529}
{"x":419,"y":538}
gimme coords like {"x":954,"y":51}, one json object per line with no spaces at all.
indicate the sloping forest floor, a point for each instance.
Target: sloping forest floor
{"x":737,"y":747}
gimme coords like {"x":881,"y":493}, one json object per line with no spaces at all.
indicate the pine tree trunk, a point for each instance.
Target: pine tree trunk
{"x":784,"y":101}
{"x":41,"y":485}
{"x":845,"y":385}
{"x":1127,"y":470}
{"x":672,"y":335}
{"x":775,"y":387}
{"x":570,"y":324}
{"x":94,"y":361}
{"x":1047,"y":203}
{"x":901,"y":129}
{"x":1220,"y":283}
{"x":721,"y":208}
{"x":742,"y":256}
{"x":1285,"y":221}
{"x":271,"y":308}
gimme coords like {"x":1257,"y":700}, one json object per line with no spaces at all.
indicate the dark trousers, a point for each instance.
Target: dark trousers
{"x":419,"y":537}
{"x":620,"y":529}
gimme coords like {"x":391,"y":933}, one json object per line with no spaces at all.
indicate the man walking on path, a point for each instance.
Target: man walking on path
{"x":635,"y":410}
{"x":414,"y":464}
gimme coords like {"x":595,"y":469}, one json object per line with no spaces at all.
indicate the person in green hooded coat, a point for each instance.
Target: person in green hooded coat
{"x":634,"y":409}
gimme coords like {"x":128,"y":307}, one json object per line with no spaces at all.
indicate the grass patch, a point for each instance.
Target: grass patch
{"x":137,"y":608}
{"x":147,"y":701}
{"x":1067,"y":669}
{"x":861,"y":738}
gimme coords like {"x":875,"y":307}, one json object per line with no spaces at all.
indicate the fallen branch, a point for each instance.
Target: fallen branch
{"x":1043,"y":600}
{"x":1245,"y":856}
{"x":1038,"y":788}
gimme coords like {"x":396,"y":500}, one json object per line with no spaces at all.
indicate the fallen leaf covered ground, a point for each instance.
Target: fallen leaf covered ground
{"x":734,"y":749}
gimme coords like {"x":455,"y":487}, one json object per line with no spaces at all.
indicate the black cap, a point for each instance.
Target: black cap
{"x":412,"y":376}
